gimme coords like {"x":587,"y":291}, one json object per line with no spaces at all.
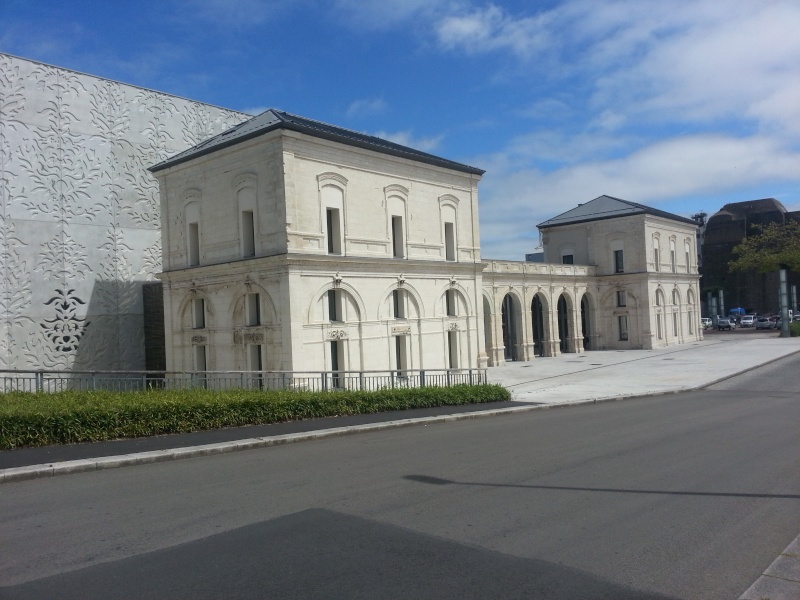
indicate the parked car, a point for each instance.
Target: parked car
{"x":706,"y":322}
{"x":763,"y":323}
{"x":748,"y":320}
{"x":724,"y":323}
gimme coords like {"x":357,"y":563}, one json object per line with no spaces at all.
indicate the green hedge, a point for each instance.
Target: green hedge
{"x":72,"y":417}
{"x":794,"y":329}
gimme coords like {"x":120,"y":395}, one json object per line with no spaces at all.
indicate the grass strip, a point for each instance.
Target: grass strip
{"x":29,"y":419}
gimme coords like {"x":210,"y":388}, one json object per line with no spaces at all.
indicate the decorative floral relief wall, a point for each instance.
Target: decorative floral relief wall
{"x":79,"y":212}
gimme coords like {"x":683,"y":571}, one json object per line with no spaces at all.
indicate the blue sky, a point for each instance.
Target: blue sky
{"x":681,"y":105}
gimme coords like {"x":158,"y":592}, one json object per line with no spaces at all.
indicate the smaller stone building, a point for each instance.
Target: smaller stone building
{"x":616,"y":275}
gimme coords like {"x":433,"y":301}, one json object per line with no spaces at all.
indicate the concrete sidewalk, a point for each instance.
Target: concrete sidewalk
{"x":606,"y":375}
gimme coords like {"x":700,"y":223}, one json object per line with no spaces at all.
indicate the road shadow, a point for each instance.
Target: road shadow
{"x":320,"y":554}
{"x":439,"y":481}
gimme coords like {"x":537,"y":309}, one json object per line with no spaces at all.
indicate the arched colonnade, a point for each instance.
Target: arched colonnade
{"x":520,"y":325}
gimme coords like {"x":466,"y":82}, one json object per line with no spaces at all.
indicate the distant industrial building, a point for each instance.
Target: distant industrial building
{"x":753,"y":291}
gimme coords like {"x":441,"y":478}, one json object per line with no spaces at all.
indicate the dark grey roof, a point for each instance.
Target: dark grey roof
{"x":607,"y":207}
{"x":740,"y":210}
{"x":272,"y":119}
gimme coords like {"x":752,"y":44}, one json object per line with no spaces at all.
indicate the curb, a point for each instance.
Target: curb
{"x":781,"y":580}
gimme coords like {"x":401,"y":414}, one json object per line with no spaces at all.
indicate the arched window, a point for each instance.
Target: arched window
{"x":448,"y":214}
{"x":659,"y":314}
{"x":687,"y":248}
{"x":192,"y":218}
{"x":332,"y":192}
{"x":245,"y":188}
{"x":656,"y":254}
{"x":672,"y":257}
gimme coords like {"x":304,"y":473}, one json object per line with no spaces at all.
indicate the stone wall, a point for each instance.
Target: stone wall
{"x":79,"y":213}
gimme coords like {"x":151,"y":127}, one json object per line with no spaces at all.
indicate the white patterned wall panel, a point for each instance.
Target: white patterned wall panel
{"x":79,"y":213}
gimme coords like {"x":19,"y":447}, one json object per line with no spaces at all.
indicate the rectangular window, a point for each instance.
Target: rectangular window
{"x":401,"y":355}
{"x":336,"y":363}
{"x":193,"y":243}
{"x":397,"y":237}
{"x":568,"y":259}
{"x":333,"y":231}
{"x":334,"y":305}
{"x":398,"y":304}
{"x":254,"y":357}
{"x":672,"y":260}
{"x":623,"y":328}
{"x":622,"y":298}
{"x":252,"y":309}
{"x":619,"y":263}
{"x":200,"y":358}
{"x":450,"y":303}
{"x":254,"y":364}
{"x":675,"y":324}
{"x":248,"y":234}
{"x":199,"y":313}
{"x":657,"y":259}
{"x":452,"y":349}
{"x":449,"y":241}
{"x":688,"y":261}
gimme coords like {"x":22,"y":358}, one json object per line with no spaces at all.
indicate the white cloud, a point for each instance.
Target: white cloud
{"x":514,"y":201}
{"x":256,"y":110}
{"x":713,"y":69}
{"x":491,"y":28}
{"x":687,"y":98}
{"x":366,"y":107}
{"x":683,"y":60}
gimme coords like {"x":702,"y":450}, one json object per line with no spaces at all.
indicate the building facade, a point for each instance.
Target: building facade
{"x":617,"y":275}
{"x":79,"y":212}
{"x":293,"y":245}
{"x":752,"y":291}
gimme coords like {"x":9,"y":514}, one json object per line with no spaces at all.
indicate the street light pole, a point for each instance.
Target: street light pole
{"x":784,"y":292}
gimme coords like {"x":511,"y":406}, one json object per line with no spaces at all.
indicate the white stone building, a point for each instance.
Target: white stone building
{"x":293,"y":245}
{"x":617,"y":275}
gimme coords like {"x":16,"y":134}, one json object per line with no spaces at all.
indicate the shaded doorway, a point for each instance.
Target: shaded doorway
{"x":586,"y":322}
{"x":563,"y":324}
{"x":510,"y":319}
{"x":488,"y":338}
{"x":537,"y":321}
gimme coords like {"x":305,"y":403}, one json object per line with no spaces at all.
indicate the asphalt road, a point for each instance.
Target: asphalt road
{"x":679,"y":496}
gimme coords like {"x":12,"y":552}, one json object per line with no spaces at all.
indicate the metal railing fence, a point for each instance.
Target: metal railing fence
{"x":56,"y":381}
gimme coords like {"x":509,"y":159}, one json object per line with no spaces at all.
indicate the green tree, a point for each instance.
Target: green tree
{"x":775,"y":246}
